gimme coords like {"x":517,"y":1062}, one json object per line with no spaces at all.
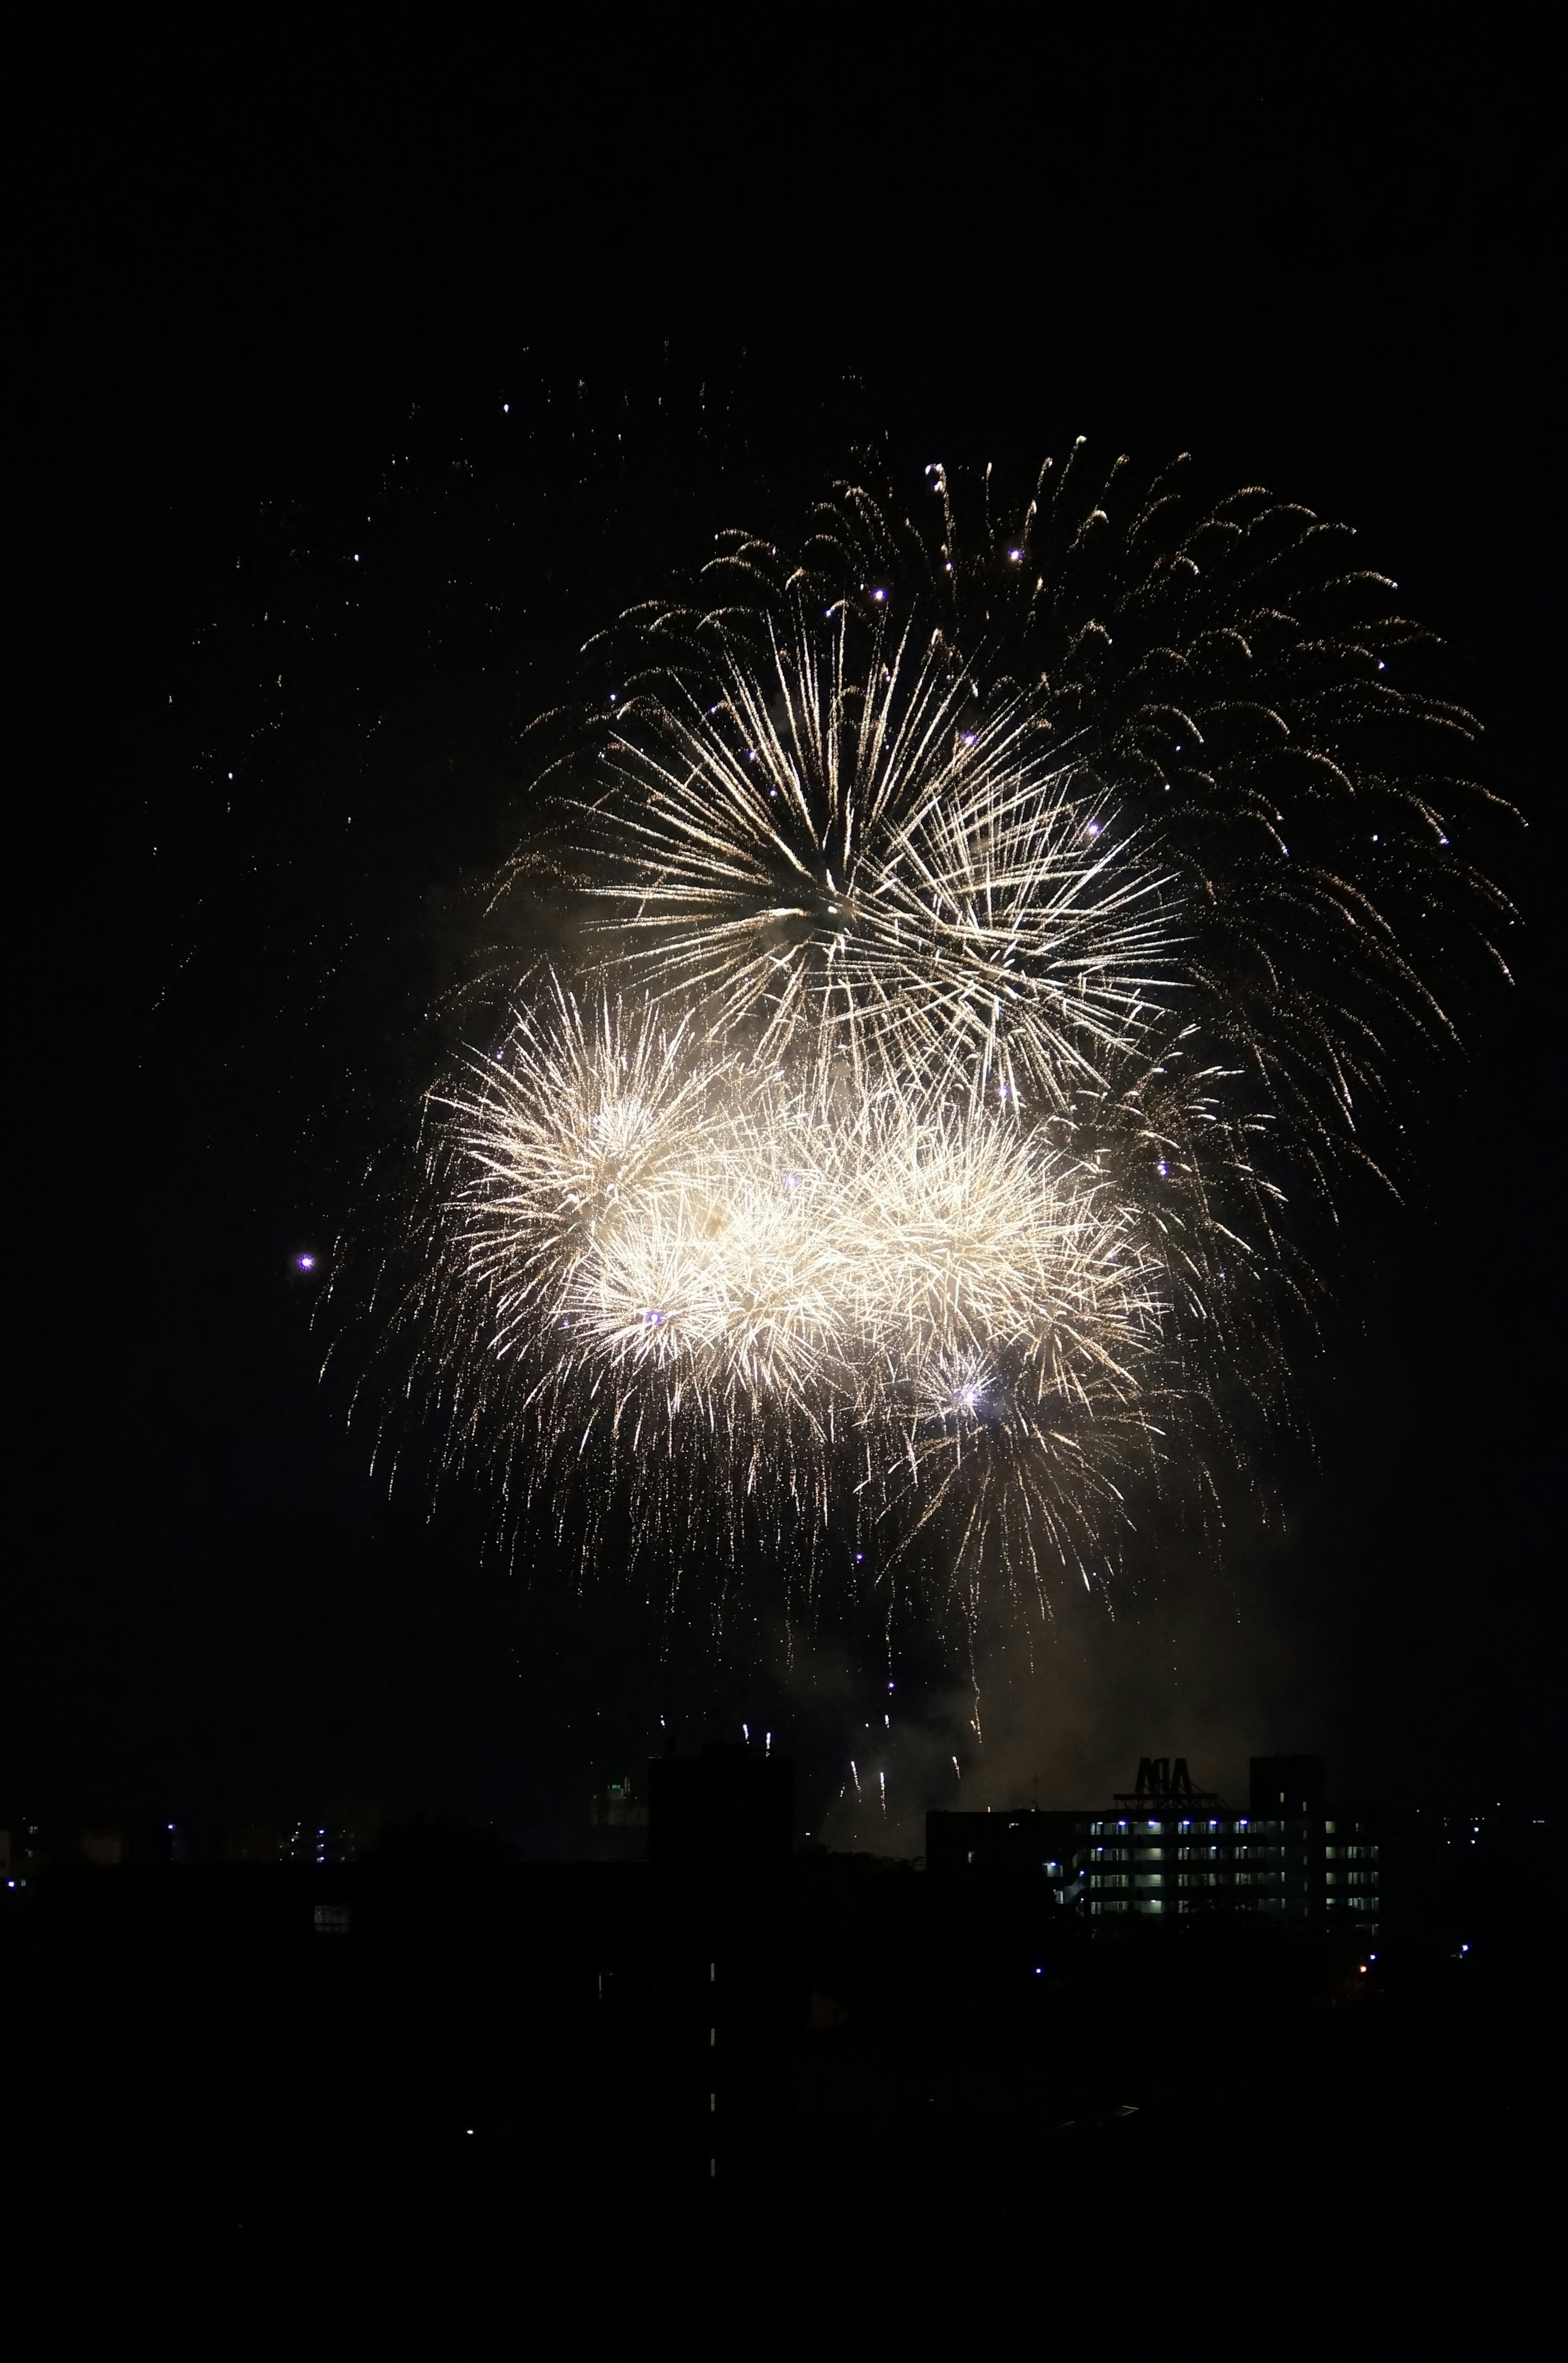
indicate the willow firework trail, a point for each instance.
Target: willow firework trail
{"x":996,"y":935}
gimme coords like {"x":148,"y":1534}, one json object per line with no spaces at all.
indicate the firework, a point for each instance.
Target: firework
{"x":653,"y":1261}
{"x":995,"y":942}
{"x":851,"y":844}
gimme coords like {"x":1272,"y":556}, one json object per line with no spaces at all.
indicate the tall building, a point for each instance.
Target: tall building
{"x":1166,"y":1847}
{"x":721,"y":1845}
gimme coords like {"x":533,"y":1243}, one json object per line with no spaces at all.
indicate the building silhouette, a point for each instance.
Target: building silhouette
{"x":720,"y":1848}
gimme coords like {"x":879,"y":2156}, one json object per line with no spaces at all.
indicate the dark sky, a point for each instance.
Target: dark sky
{"x":259,"y":258}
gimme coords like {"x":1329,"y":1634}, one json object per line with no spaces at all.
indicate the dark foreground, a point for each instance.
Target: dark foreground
{"x":510,"y":2099}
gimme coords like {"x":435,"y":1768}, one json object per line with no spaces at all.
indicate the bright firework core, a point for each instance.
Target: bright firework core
{"x":711,"y":1234}
{"x":992,"y":944}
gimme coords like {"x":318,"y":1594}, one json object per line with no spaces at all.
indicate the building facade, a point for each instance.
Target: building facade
{"x":1167,"y":1849}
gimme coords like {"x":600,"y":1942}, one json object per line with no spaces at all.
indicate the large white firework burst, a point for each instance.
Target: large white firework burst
{"x":996,"y":943}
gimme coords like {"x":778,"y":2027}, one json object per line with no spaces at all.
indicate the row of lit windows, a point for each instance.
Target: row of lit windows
{"x":1296,"y":1855}
{"x":1167,"y":1829}
{"x":1113,"y":1903}
{"x":1119,"y":1828}
{"x":1364,"y":1905}
{"x":1226,"y":1878}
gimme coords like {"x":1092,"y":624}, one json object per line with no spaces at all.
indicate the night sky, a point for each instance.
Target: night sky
{"x":357,"y":376}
